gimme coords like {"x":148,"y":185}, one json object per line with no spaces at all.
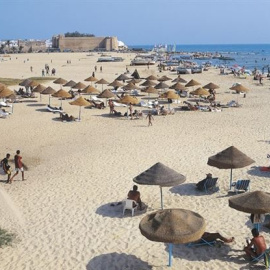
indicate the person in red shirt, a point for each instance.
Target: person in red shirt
{"x":18,"y":166}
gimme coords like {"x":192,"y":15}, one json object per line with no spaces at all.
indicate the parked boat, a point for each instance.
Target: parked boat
{"x":142,"y":61}
{"x":110,"y":59}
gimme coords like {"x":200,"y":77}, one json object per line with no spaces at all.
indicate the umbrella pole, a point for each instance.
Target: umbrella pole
{"x":80,"y":113}
{"x":50,"y":100}
{"x":61,"y":103}
{"x":170,"y":254}
{"x":161,"y":197}
{"x":39,"y":96}
{"x":231,"y":180}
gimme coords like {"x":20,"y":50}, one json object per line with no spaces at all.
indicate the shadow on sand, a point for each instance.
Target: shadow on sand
{"x":36,"y":105}
{"x":188,"y":189}
{"x":115,"y":210}
{"x":255,"y":171}
{"x":219,"y":251}
{"x":117,"y":261}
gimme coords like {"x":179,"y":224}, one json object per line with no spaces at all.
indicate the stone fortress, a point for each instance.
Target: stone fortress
{"x":84,"y":43}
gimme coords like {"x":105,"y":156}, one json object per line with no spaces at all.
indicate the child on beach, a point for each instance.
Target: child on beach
{"x":150,"y":118}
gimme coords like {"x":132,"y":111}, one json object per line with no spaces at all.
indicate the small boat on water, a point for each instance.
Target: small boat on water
{"x":226,"y":58}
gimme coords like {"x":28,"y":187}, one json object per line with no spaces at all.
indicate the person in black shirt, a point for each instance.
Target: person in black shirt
{"x":6,"y":167}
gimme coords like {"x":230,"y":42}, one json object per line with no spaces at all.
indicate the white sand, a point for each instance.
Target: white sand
{"x":77,"y":169}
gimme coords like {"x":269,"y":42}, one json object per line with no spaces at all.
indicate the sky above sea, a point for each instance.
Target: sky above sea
{"x":140,"y":21}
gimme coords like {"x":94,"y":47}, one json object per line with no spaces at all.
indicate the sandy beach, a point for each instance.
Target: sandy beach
{"x":62,"y":213}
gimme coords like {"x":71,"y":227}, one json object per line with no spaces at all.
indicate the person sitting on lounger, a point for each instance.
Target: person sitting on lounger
{"x":135,"y":195}
{"x":256,"y":246}
{"x":200,"y":184}
{"x":211,"y":237}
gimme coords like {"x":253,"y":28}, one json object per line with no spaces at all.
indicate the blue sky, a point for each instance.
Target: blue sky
{"x":140,"y":22}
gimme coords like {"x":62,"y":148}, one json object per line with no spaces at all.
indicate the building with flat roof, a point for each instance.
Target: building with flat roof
{"x":63,"y":43}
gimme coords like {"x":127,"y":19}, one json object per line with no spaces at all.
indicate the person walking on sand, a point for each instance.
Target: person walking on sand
{"x":150,"y":118}
{"x":18,"y":166}
{"x":131,"y":110}
{"x":6,"y":166}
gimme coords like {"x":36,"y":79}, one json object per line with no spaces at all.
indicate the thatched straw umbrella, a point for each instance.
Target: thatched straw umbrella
{"x":129,"y":99}
{"x":38,"y":89}
{"x":179,"y":79}
{"x":239,"y":88}
{"x":32,"y":84}
{"x":173,"y":226}
{"x":70,"y":83}
{"x":135,"y":74}
{"x":151,"y":78}
{"x":90,"y":90}
{"x":79,"y":86}
{"x":178,"y":86}
{"x":115,"y":84}
{"x":130,"y":86}
{"x":164,"y":78}
{"x":134,"y":81}
{"x":6,"y":93}
{"x":25,"y":82}
{"x":106,"y":94}
{"x":200,"y":92}
{"x":192,"y":83}
{"x":150,"y":90}
{"x":256,"y":202}
{"x":148,"y":83}
{"x":2,"y":86}
{"x":62,"y":94}
{"x":160,"y":175}
{"x":230,"y":158}
{"x":122,"y":77}
{"x":211,"y":86}
{"x":102,"y":81}
{"x":81,"y":102}
{"x":60,"y":81}
{"x":48,"y":91}
{"x":161,"y":85}
{"x":91,"y":79}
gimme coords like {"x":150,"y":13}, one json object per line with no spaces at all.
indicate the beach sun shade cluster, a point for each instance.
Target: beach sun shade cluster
{"x":160,"y":175}
{"x":230,"y":158}
{"x":173,"y":226}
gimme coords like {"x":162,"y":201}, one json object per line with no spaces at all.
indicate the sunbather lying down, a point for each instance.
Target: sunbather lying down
{"x":66,"y":117}
{"x":211,"y":237}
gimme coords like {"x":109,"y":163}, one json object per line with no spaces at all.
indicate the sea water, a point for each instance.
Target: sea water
{"x":248,"y":55}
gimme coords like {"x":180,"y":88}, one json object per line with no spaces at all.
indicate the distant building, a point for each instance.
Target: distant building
{"x":27,"y":46}
{"x":63,"y":43}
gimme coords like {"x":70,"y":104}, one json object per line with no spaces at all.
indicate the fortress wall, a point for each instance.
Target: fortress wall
{"x":85,"y":43}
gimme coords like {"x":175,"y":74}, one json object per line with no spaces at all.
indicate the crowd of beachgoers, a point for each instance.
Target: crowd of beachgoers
{"x":69,"y":212}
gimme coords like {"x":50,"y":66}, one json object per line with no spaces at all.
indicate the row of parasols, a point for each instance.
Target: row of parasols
{"x":180,"y":226}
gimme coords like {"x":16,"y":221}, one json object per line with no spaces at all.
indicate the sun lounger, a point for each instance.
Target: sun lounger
{"x":4,"y":104}
{"x":241,"y":185}
{"x":4,"y":114}
{"x":54,"y":109}
{"x":96,"y":99}
{"x":145,"y":104}
{"x":116,"y":104}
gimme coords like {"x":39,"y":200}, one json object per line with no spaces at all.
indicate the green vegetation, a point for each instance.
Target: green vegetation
{"x":77,"y":34}
{"x":6,"y":238}
{"x":11,"y":81}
